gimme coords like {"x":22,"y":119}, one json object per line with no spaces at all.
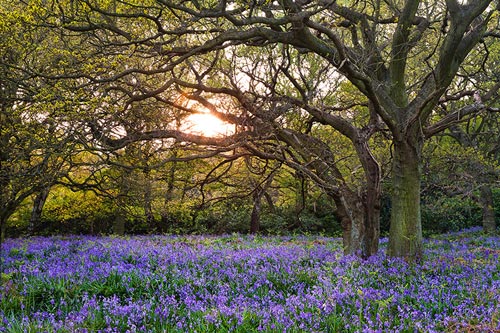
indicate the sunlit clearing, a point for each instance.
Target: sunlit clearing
{"x":207,"y":125}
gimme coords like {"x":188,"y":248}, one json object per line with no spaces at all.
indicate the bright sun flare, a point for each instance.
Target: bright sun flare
{"x":207,"y":125}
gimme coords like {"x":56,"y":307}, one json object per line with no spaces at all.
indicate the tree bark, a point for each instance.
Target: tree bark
{"x":270,"y":203}
{"x":36,"y":212}
{"x":259,"y":192}
{"x":372,"y":220}
{"x":351,"y":220}
{"x":255,"y":217}
{"x":486,"y":199}
{"x":360,"y":222}
{"x":405,"y":239}
{"x":5,"y":213}
{"x":370,"y":198}
{"x":3,"y":228}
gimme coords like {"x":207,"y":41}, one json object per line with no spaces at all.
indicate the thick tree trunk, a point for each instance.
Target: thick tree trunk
{"x":351,"y":218}
{"x":3,"y":228}
{"x":372,"y":222}
{"x":259,"y":192}
{"x":5,"y":213}
{"x":371,"y":198}
{"x":36,"y":212}
{"x":360,"y":221}
{"x":486,"y":200}
{"x":4,"y":217}
{"x":405,"y":234}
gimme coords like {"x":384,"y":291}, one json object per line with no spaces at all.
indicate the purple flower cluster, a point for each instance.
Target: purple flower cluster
{"x":245,"y":284}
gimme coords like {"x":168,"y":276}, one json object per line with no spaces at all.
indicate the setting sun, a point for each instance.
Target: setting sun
{"x":207,"y":125}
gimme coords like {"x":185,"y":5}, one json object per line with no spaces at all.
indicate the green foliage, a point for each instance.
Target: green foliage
{"x":276,"y":223}
{"x":456,"y":165}
{"x":66,"y":212}
{"x":445,"y":214}
{"x":442,"y":214}
{"x":64,"y":205}
{"x":227,"y":217}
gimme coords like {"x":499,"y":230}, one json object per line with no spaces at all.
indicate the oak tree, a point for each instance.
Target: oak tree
{"x":401,"y":58}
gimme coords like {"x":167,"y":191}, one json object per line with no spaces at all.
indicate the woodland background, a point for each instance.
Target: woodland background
{"x":342,"y":114}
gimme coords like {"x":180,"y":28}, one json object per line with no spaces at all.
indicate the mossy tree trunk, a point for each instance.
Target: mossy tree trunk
{"x":486,"y":199}
{"x":406,"y":226}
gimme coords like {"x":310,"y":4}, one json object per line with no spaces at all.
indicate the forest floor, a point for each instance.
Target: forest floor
{"x":240,"y":283}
